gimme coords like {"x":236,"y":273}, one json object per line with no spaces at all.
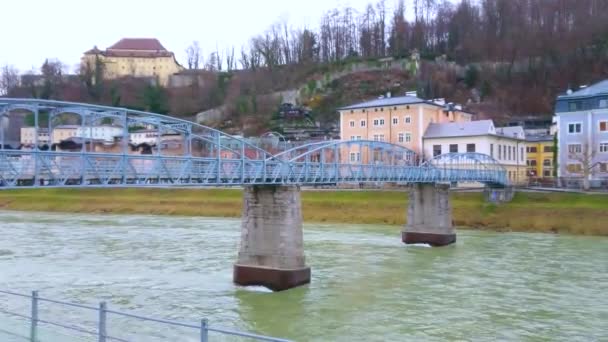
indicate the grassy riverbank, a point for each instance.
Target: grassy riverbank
{"x":538,"y":212}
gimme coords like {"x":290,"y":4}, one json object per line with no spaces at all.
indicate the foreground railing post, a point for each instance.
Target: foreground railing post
{"x":34,"y":324}
{"x":101,"y":329}
{"x":204,"y":330}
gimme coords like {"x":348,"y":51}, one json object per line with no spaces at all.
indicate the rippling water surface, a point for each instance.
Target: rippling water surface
{"x":366,"y":285}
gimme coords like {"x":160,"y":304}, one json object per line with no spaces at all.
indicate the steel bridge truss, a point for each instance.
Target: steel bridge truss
{"x":182,"y":153}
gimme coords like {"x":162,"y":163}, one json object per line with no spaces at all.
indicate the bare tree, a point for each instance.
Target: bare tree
{"x":230,"y":60}
{"x":52,"y":76}
{"x":585,"y":157}
{"x":219,"y":61}
{"x":9,"y":79}
{"x":194,"y":55}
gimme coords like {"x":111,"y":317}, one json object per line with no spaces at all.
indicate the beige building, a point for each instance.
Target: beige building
{"x":28,"y":136}
{"x":136,"y":57}
{"x":398,"y":120}
{"x":507,"y":145}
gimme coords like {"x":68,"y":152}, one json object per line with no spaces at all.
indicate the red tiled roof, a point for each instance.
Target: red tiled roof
{"x":144,"y":44}
{"x":140,"y":54}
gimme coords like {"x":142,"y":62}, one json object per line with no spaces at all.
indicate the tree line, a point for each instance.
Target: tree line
{"x":467,"y":31}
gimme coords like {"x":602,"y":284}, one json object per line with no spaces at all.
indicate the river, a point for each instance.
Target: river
{"x":366,"y":285}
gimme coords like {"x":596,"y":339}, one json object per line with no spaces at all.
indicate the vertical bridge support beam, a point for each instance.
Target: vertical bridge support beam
{"x":429,"y":216}
{"x":271,"y":252}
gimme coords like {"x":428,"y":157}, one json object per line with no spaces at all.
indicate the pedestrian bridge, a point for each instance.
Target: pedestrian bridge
{"x":47,"y":144}
{"x":68,"y":149}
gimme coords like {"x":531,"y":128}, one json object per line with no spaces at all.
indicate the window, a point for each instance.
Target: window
{"x":355,"y":156}
{"x":575,"y":148}
{"x":603,"y":103}
{"x":381,"y":122}
{"x":547,"y":162}
{"x":492,"y":150}
{"x":453,"y":148}
{"x":362,"y":110}
{"x":574,"y":106}
{"x":603,"y":126}
{"x":522,"y":154}
{"x":504,"y":151}
{"x":548,"y":149}
{"x":352,"y":123}
{"x":509,"y":152}
{"x":531,"y":162}
{"x":436,"y":150}
{"x":408,"y":137}
{"x":376,"y":137}
{"x":603,"y":167}
{"x":375,"y":109}
{"x":470,"y":147}
{"x":401,"y":137}
{"x":358,"y":137}
{"x":604,"y":147}
{"x":574,"y":128}
{"x":381,"y":137}
{"x":376,"y":122}
{"x":395,"y":121}
{"x":499,"y":152}
{"x":531,"y":149}
{"x":546,"y":173}
{"x":363,"y":123}
{"x":408,"y":120}
{"x":352,"y":137}
{"x":382,"y":109}
{"x":574,"y":168}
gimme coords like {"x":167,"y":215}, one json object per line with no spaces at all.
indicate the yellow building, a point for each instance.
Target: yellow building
{"x":136,"y":57}
{"x":540,"y":156}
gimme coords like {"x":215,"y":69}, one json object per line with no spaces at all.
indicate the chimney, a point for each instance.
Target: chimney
{"x":388,"y":94}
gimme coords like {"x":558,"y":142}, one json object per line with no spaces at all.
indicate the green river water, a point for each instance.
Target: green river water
{"x":366,"y":285}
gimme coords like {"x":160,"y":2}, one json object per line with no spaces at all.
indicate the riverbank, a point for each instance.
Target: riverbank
{"x":528,"y":212}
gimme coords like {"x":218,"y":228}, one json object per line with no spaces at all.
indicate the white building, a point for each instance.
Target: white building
{"x":146,"y":136}
{"x":107,"y":133}
{"x":507,"y":145}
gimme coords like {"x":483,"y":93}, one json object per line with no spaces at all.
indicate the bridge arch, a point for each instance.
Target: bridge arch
{"x":351,"y":151}
{"x":468,"y":167}
{"x":227,"y":146}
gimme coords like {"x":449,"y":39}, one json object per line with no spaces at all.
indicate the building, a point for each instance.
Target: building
{"x":539,"y":150}
{"x":136,"y":57}
{"x":399,"y":120}
{"x":28,"y":136}
{"x":582,"y":121}
{"x":63,"y":132}
{"x":104,"y":133}
{"x":507,"y":144}
{"x":144,"y":136}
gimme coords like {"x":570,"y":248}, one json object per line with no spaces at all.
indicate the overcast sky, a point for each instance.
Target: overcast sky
{"x":33,"y":30}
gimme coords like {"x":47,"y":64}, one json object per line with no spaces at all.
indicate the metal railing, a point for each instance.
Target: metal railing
{"x":102,"y":323}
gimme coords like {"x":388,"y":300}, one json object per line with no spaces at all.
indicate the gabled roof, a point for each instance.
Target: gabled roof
{"x":592,"y":90}
{"x":471,"y":129}
{"x":460,"y":129}
{"x":388,"y":101}
{"x":512,"y":132}
{"x":539,"y":137}
{"x":138,"y":44}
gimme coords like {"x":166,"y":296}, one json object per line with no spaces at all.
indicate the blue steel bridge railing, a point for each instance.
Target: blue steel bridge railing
{"x":67,"y":169}
{"x":101,"y":331}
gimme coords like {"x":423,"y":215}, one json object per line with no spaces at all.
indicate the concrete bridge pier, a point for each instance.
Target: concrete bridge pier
{"x":429,"y":216}
{"x":271,"y":251}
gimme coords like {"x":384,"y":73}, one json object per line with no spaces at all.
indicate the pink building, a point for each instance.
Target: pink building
{"x":398,"y":120}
